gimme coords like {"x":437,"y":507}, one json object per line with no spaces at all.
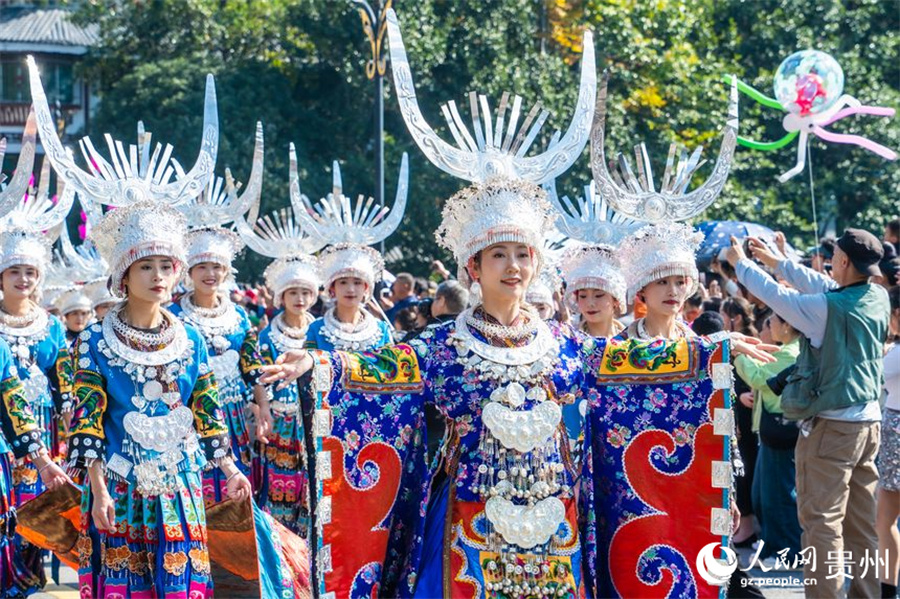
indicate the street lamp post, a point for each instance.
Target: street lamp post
{"x":375,"y":27}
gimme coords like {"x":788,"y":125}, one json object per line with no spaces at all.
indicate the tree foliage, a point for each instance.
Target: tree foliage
{"x":299,"y":67}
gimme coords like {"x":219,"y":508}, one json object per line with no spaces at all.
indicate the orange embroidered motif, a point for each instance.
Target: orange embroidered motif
{"x":117,"y":557}
{"x":175,"y":563}
{"x":200,"y":560}
{"x":85,"y":549}
{"x":138,"y":562}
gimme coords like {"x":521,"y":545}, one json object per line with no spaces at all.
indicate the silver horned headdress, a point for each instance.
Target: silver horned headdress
{"x":134,"y":175}
{"x":13,"y":192}
{"x":33,"y":223}
{"x":219,"y":203}
{"x":333,"y":219}
{"x":497,"y":148}
{"x":636,"y":196}
{"x":589,"y":218}
{"x":505,"y":202}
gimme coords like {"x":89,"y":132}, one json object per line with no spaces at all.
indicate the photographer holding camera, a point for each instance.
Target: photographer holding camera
{"x":834,"y":390}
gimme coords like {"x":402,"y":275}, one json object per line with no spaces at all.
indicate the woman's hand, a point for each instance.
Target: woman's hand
{"x":237,"y":487}
{"x":260,"y":406}
{"x":287,"y":368}
{"x":762,"y":253}
{"x":735,"y":517}
{"x":103,"y":511}
{"x":747,"y":399}
{"x":752,"y":348}
{"x":51,"y":474}
{"x":264,"y":425}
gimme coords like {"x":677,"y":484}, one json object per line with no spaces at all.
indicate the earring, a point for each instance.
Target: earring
{"x":475,"y":290}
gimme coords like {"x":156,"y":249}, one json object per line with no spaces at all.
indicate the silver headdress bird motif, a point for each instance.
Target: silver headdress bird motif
{"x":334,"y":219}
{"x":220,"y":203}
{"x":497,"y":148}
{"x":589,"y":218}
{"x":134,"y":175}
{"x":15,"y":189}
{"x":636,"y":196}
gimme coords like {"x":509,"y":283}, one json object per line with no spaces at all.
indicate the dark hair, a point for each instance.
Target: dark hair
{"x":894,"y":226}
{"x":695,"y":301}
{"x":708,"y":323}
{"x":738,"y":306}
{"x":894,"y":295}
{"x":455,"y":296}
{"x":712,"y":304}
{"x":405,"y":320}
{"x":776,"y":315}
{"x":420,"y":287}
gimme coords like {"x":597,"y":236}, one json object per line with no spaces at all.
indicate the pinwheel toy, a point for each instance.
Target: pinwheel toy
{"x":809,"y":86}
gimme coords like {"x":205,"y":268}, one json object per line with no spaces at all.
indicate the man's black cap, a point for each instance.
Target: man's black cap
{"x":863,"y":249}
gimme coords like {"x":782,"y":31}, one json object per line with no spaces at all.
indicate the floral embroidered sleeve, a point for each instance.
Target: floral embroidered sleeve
{"x":209,"y":419}
{"x":16,"y":419}
{"x":87,"y":438}
{"x":62,"y":374}
{"x":251,"y":360}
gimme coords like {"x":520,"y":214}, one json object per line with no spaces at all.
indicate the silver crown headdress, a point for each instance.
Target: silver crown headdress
{"x":636,"y":196}
{"x":505,"y":203}
{"x":593,"y":267}
{"x":98,"y":292}
{"x":13,"y":191}
{"x":143,"y":229}
{"x":73,"y":298}
{"x":659,"y":251}
{"x":292,"y":270}
{"x":543,"y":286}
{"x":135,"y":175}
{"x":83,"y":262}
{"x":32,"y":224}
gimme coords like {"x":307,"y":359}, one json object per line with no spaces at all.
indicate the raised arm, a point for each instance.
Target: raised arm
{"x":805,"y":312}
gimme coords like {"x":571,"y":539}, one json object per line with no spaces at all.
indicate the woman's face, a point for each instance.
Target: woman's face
{"x":20,"y":281}
{"x":207,"y":277}
{"x":504,"y":271}
{"x":350,"y":292}
{"x":780,"y":329}
{"x":595,"y":305}
{"x":151,"y":279}
{"x":297,"y":300}
{"x":545,"y":311}
{"x":667,"y":296}
{"x":77,"y":320}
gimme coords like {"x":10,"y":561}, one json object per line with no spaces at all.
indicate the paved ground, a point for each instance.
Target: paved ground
{"x":68,"y":587}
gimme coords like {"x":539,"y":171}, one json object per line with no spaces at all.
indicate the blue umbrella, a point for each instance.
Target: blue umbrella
{"x":718,"y":235}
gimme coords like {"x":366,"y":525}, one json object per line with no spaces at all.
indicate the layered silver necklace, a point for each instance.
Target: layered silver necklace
{"x":22,"y":332}
{"x":285,"y":337}
{"x":360,"y":336}
{"x":216,"y":324}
